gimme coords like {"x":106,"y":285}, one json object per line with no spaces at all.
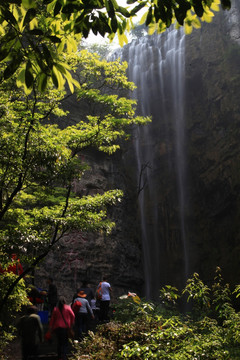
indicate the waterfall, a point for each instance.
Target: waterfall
{"x":156,"y":66}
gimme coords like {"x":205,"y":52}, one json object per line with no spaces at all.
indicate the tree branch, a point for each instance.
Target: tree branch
{"x":141,"y":186}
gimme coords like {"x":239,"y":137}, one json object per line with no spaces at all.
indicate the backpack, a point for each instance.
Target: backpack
{"x":76,"y":306}
{"x":99,"y":291}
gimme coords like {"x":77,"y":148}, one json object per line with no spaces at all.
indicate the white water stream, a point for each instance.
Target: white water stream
{"x":157,"y":66}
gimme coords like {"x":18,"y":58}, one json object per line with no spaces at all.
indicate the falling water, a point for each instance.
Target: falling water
{"x":156,"y":66}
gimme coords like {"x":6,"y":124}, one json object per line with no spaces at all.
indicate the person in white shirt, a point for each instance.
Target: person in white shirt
{"x":105,"y":299}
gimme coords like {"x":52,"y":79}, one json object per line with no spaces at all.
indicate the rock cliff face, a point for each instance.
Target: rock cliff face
{"x":212,"y":206}
{"x":213,"y":120}
{"x":82,"y":256}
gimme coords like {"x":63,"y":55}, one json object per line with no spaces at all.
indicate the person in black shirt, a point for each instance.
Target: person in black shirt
{"x":31,"y":331}
{"x":52,"y":295}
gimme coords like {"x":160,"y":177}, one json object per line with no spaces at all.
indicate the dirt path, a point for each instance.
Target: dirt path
{"x":47,"y":350}
{"x":13,"y":351}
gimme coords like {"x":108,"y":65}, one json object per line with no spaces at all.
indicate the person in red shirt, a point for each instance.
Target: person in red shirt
{"x":15,"y":267}
{"x":61,"y":321}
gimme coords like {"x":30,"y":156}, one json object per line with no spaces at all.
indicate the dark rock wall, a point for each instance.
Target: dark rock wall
{"x":82,"y":256}
{"x":213,"y":128}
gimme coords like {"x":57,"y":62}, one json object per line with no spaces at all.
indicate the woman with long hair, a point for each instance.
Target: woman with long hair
{"x":61,"y":322}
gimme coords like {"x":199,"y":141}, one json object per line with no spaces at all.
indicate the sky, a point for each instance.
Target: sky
{"x":96,"y":39}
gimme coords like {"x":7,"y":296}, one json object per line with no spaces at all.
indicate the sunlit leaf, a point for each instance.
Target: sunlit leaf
{"x":187,"y":28}
{"x":42,"y":82}
{"x":196,"y":23}
{"x":29,"y":4}
{"x":21,"y":78}
{"x":143,"y":18}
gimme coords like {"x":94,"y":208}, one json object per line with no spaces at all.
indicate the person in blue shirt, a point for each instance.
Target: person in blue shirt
{"x":82,"y":315}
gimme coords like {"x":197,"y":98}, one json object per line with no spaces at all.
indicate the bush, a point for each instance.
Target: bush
{"x":142,"y":330}
{"x":16,"y":300}
{"x":128,"y":309}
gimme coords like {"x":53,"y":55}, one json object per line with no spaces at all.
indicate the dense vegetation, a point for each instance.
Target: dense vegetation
{"x":209,"y":328}
{"x":34,"y":34}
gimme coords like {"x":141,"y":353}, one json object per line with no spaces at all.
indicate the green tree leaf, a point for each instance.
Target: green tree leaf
{"x":43,"y":80}
{"x":28,"y":75}
{"x":12,"y":66}
{"x":30,"y":15}
{"x":226,"y":4}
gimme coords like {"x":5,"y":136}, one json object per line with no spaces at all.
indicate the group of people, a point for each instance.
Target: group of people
{"x":44,"y":299}
{"x":66,"y":320}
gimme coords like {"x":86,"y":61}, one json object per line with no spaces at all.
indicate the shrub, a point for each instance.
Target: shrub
{"x":16,"y":300}
{"x":145,"y":330}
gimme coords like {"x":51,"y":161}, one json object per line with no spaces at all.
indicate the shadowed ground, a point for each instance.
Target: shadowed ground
{"x":47,"y":350}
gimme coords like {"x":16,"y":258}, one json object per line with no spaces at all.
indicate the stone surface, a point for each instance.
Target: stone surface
{"x":81,"y":256}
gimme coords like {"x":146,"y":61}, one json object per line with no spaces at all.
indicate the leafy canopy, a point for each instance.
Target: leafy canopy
{"x":35,"y":34}
{"x":41,"y":160}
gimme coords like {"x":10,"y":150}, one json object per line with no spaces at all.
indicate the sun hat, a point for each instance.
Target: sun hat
{"x":81,"y":293}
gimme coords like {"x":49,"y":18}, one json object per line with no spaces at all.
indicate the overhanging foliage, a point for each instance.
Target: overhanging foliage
{"x":34,"y":34}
